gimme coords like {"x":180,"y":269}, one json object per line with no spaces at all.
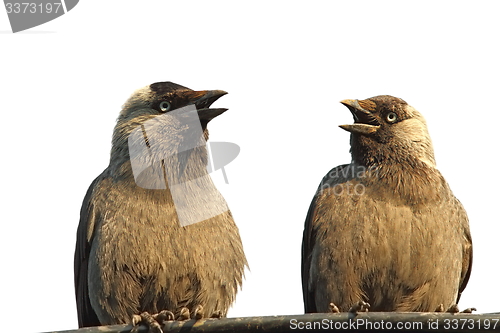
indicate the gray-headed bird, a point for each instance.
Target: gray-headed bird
{"x":385,"y":229}
{"x":155,"y":235}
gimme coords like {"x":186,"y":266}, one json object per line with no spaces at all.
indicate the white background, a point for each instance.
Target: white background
{"x":286,"y":66}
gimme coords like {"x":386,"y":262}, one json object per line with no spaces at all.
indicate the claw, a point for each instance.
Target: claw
{"x":217,"y":314}
{"x":136,"y":319}
{"x":469,"y":310}
{"x":146,"y":319}
{"x":198,"y":312}
{"x":184,"y":315}
{"x":440,"y":308}
{"x":453,"y":309}
{"x":164,"y":316}
{"x":334,"y":308}
{"x":360,"y":306}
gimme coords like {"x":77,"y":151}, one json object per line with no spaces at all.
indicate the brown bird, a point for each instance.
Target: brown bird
{"x":385,"y":229}
{"x":161,"y":237}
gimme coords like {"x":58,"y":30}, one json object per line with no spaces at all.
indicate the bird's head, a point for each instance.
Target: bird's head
{"x":171,"y":135}
{"x":387,"y":129}
{"x":162,"y":97}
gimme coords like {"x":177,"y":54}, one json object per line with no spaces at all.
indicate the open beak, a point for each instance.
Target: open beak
{"x":364,"y":121}
{"x":203,"y":100}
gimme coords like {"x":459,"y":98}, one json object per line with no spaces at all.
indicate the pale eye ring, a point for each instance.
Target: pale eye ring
{"x":164,"y":106}
{"x":392,"y":117}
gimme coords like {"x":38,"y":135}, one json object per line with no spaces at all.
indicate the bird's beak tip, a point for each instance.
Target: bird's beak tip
{"x":209,"y":114}
{"x":214,"y":93}
{"x":345,"y":127}
{"x":350,"y":102}
{"x":204,"y":99}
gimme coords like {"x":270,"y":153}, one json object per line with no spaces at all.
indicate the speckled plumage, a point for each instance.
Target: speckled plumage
{"x":385,"y":229}
{"x":132,"y":254}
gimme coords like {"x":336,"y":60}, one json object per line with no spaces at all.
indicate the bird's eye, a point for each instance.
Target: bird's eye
{"x":164,"y":106}
{"x":392,"y":117}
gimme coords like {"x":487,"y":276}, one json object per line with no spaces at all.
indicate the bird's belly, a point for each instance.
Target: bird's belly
{"x":163,"y":265}
{"x":389,"y":257}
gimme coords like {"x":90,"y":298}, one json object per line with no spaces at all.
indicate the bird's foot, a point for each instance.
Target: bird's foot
{"x":152,"y":322}
{"x":198,"y":313}
{"x":155,"y":322}
{"x":440,"y":308}
{"x":217,"y":314}
{"x":360,"y":306}
{"x":184,"y":314}
{"x":454,"y":309}
{"x":334,"y":308}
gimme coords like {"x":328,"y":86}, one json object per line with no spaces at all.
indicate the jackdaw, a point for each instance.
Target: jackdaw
{"x":385,"y":231}
{"x":158,"y":235}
